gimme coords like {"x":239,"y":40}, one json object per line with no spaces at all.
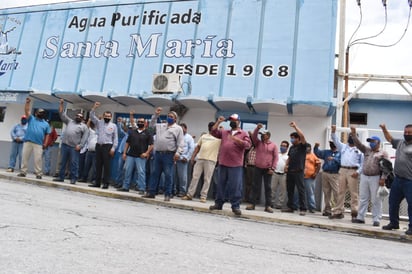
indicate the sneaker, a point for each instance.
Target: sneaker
{"x":311,"y":211}
{"x":72,"y":182}
{"x":10,"y":169}
{"x":390,"y":226}
{"x":203,"y":200}
{"x":302,"y":213}
{"x":376,"y":223}
{"x":148,"y":196}
{"x":237,"y":211}
{"x":268,"y":209}
{"x":21,"y":174}
{"x":250,"y":207}
{"x":167,"y":198}
{"x":357,"y":221}
{"x":38,"y":176}
{"x":187,"y":197}
{"x":141,"y":192}
{"x":337,"y":216}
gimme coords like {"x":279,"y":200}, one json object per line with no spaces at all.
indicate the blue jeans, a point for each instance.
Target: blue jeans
{"x":16,"y":151}
{"x":130,"y":164}
{"x":89,"y":165}
{"x":163,"y":162}
{"x":310,"y":193}
{"x":401,"y":188}
{"x":69,"y":153}
{"x":119,"y":167}
{"x":181,"y":177}
{"x":47,"y":160}
{"x":230,"y":182}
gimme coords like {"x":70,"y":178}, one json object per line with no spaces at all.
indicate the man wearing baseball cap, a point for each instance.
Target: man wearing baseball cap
{"x":230,"y":175}
{"x":370,"y":179}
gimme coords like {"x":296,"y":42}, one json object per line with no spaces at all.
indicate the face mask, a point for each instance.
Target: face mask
{"x":78,"y":120}
{"x":350,"y":140}
{"x":23,"y":121}
{"x":40,"y":116}
{"x":407,"y":138}
{"x":106,"y":120}
{"x":140,"y":125}
{"x":233,"y":124}
{"x":373,"y":145}
{"x":283,"y":149}
{"x":170,"y":120}
{"x":292,"y":140}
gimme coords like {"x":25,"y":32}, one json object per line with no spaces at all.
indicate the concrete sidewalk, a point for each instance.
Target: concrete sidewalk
{"x":315,"y":220}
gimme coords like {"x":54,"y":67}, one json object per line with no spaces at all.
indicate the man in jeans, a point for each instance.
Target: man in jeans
{"x":17,"y":137}
{"x":402,"y":184}
{"x":73,"y":140}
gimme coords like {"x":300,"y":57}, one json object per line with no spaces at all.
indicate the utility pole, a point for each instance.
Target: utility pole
{"x":342,"y":64}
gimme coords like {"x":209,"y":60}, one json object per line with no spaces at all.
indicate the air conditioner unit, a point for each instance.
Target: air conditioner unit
{"x":166,"y":83}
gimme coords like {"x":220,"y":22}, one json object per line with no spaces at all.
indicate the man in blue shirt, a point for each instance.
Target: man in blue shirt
{"x":182,"y":163}
{"x":330,"y":174}
{"x":17,"y":136}
{"x":37,"y":135}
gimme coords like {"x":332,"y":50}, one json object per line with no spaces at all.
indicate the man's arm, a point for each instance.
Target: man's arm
{"x":386,"y":133}
{"x":356,"y":141}
{"x":156,"y":115}
{"x":27,"y":108}
{"x":299,"y":132}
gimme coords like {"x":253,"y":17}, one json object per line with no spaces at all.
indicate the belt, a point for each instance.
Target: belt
{"x":279,"y":173}
{"x":349,"y":167}
{"x":166,"y":152}
{"x":251,"y":165}
{"x":330,"y":172}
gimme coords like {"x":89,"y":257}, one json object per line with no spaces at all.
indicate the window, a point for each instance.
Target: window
{"x":358,"y":118}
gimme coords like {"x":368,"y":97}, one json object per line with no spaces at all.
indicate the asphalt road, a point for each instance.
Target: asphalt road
{"x":47,"y":230}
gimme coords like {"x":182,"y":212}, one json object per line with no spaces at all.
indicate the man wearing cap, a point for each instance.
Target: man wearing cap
{"x":371,"y":178}
{"x":265,"y":165}
{"x":234,"y":142}
{"x":17,"y":136}
{"x":402,"y":184}
{"x":330,"y":174}
{"x":37,"y":135}
{"x":168,"y":146}
{"x":351,"y":162}
{"x":74,"y":139}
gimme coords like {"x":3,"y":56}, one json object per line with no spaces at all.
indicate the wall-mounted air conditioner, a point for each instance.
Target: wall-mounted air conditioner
{"x":166,"y":83}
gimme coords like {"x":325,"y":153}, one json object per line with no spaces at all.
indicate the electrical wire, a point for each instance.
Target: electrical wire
{"x":376,"y":35}
{"x":359,"y":25}
{"x":393,"y":44}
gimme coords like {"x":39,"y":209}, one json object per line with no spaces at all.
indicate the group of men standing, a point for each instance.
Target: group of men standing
{"x":345,"y":165}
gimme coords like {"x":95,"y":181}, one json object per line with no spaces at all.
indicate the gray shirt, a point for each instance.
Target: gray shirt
{"x":106,"y":132}
{"x":75,"y":133}
{"x":371,"y":159}
{"x":168,"y":137}
{"x":403,"y":160}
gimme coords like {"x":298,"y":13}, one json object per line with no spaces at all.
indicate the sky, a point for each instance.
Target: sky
{"x":363,"y":58}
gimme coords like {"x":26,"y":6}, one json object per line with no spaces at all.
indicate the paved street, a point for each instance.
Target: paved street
{"x":48,"y":230}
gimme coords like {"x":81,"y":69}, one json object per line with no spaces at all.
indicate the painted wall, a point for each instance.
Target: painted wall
{"x":272,"y":50}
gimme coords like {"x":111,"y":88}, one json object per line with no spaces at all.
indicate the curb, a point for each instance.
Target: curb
{"x":313,"y":220}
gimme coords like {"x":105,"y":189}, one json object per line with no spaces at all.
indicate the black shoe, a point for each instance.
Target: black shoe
{"x":237,"y":211}
{"x":148,"y":196}
{"x":167,"y":198}
{"x":94,"y":185}
{"x":82,"y":181}
{"x":38,"y":176}
{"x":122,"y":190}
{"x":327,"y":214}
{"x":337,"y":216}
{"x":72,"y":182}
{"x":376,"y":223}
{"x":56,"y":175}
{"x":390,"y":226}
{"x":289,"y":210}
{"x":58,"y":180}
{"x":215,"y":207}
{"x":409,"y":231}
{"x":21,"y":174}
{"x":357,"y":221}
{"x":105,"y":186}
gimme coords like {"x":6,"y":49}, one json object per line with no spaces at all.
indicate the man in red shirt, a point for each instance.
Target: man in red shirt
{"x":230,"y":175}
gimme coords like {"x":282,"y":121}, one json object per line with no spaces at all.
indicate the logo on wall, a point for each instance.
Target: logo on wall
{"x":8,"y":52}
